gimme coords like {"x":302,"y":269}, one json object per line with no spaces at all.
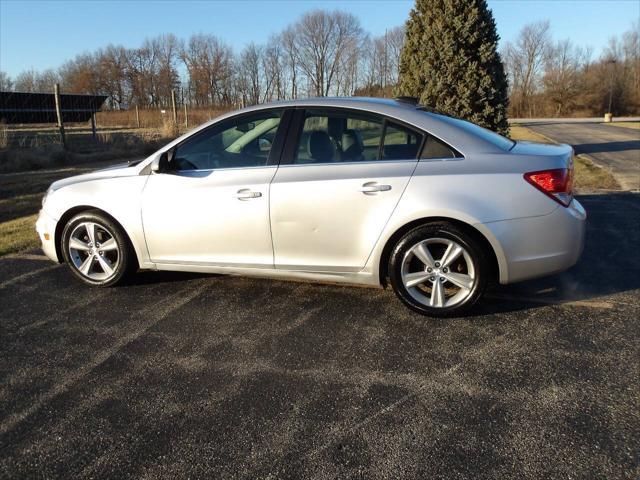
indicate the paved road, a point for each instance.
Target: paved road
{"x":571,"y":120}
{"x":178,"y":376}
{"x":616,"y":148}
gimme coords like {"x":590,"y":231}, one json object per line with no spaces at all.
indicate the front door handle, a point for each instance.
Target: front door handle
{"x":246,"y":194}
{"x":371,"y":188}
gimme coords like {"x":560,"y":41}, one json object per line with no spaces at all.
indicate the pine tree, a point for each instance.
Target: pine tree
{"x":451,"y":63}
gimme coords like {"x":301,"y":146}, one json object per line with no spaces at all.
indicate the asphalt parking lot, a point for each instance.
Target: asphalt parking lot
{"x":181,"y":376}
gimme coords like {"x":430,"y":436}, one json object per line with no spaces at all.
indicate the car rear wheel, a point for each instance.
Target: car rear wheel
{"x":438,"y":269}
{"x":96,"y":249}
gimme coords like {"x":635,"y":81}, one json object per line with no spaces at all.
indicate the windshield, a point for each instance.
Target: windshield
{"x":492,"y":137}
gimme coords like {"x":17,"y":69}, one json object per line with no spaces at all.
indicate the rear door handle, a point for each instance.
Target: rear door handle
{"x":370,"y":188}
{"x":246,"y":194}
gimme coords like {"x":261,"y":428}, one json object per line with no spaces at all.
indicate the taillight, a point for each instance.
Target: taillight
{"x":556,"y":183}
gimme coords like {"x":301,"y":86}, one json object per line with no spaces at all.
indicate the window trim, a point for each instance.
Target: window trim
{"x":297,"y":124}
{"x":274,"y":154}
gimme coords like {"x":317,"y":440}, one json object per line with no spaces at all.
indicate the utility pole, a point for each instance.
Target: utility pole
{"x":56,"y":92}
{"x":186,"y":117}
{"x":137,"y":116}
{"x":173,"y":104}
{"x":611,"y":62}
{"x":93,"y":125}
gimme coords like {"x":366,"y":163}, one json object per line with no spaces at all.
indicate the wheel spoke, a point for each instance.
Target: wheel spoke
{"x":453,"y":251}
{"x":91,"y":232}
{"x":424,"y":255}
{"x":437,"y":295}
{"x":109,"y":245}
{"x":460,"y":279}
{"x":78,"y":244}
{"x":413,"y":279}
{"x":86,"y":265}
{"x":105,"y":265}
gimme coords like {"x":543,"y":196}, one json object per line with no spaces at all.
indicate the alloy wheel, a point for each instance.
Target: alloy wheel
{"x":438,"y":273}
{"x":94,"y":251}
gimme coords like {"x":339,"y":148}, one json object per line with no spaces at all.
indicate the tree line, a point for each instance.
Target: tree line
{"x":558,"y":78}
{"x":328,"y":53}
{"x":323,"y":53}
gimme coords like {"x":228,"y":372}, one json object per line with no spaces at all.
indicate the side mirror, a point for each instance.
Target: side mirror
{"x":160,"y":163}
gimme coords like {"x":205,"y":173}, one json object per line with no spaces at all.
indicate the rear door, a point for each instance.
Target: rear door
{"x":341,"y":175}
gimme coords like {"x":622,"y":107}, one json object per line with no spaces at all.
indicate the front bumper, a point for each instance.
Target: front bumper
{"x":46,"y":228}
{"x":539,"y":246}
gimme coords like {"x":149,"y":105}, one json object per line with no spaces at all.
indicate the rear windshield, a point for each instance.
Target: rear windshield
{"x":492,"y":137}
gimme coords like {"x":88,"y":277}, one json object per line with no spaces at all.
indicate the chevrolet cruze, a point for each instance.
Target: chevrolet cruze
{"x":353,"y":190}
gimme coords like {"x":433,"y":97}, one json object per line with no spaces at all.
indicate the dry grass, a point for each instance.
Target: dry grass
{"x":518,"y":132}
{"x":4,"y":136}
{"x":81,"y":148}
{"x":155,"y":118}
{"x":18,"y":235}
{"x":588,"y":175}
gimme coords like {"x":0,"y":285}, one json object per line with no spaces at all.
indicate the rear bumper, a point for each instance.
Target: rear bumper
{"x":539,"y":246}
{"x":46,"y":228}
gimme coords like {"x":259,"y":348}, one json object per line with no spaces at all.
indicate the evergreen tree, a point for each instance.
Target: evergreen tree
{"x":451,"y":63}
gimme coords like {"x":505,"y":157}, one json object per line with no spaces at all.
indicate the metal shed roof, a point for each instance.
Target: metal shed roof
{"x":20,"y":107}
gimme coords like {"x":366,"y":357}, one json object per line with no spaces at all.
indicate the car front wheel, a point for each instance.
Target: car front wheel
{"x":438,"y":269}
{"x":96,"y":249}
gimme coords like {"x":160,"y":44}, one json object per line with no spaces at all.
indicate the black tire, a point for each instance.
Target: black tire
{"x":439,"y":230}
{"x":126,"y":260}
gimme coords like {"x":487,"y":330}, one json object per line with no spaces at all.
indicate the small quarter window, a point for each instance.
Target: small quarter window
{"x":434,"y":148}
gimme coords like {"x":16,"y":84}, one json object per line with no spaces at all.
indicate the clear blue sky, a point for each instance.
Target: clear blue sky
{"x":43,"y":34}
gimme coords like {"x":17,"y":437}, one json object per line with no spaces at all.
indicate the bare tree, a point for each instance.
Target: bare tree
{"x":209,"y":63}
{"x":251,"y":74}
{"x":561,"y":78}
{"x":524,"y":63}
{"x":321,"y":39}
{"x":6,"y":85}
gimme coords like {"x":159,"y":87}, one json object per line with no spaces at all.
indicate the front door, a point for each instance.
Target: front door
{"x":333,"y":195}
{"x":211,"y":205}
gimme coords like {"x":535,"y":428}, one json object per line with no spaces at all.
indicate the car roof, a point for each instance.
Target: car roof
{"x":410,"y":113}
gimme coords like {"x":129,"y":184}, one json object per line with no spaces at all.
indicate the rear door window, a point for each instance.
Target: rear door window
{"x":333,"y":136}
{"x":400,"y":143}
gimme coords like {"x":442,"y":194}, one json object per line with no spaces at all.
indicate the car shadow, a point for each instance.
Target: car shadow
{"x":607,"y":147}
{"x":610,"y":263}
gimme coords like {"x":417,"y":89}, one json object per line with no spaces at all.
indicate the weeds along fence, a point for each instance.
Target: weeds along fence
{"x":157,"y":118}
{"x":120,"y":134}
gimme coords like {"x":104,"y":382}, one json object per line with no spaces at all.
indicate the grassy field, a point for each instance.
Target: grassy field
{"x":20,"y":200}
{"x":588,"y":175}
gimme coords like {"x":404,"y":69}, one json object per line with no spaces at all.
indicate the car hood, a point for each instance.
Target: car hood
{"x":120,"y":170}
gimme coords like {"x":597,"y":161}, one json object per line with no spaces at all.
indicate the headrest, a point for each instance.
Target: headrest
{"x":336,"y":127}
{"x":321,"y":147}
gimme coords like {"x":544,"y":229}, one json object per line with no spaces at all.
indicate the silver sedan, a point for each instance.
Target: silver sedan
{"x":353,"y":190}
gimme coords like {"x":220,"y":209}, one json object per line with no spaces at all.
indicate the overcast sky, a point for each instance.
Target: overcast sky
{"x":43,"y":34}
